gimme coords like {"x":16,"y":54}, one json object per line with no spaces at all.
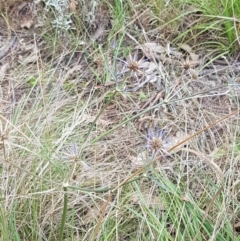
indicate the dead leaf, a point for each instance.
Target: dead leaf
{"x":194,"y":57}
{"x":99,"y":32}
{"x":150,"y":68}
{"x":152,"y":78}
{"x":96,"y":87}
{"x":73,"y":7}
{"x":237,"y":225}
{"x":3,"y":71}
{"x":185,"y":47}
{"x":154,"y":48}
{"x":32,"y":58}
{"x":88,"y":119}
{"x":186,"y":199}
{"x":111,"y":107}
{"x":72,"y":70}
{"x":26,"y":23}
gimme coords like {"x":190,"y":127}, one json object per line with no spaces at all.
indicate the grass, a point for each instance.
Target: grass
{"x":75,"y":160}
{"x":221,"y":18}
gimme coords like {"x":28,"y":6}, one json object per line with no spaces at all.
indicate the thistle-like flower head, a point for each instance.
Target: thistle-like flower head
{"x":133,"y":66}
{"x":157,"y":142}
{"x":72,"y":152}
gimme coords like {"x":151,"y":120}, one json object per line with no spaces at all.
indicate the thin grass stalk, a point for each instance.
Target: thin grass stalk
{"x":3,"y":225}
{"x":64,"y":214}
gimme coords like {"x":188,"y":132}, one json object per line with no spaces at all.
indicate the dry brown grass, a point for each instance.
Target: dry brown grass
{"x":53,"y":88}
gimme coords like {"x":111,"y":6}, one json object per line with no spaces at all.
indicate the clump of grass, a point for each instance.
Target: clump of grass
{"x":216,"y":21}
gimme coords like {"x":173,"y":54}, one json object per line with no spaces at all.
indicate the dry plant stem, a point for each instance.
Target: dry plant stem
{"x":148,"y":102}
{"x":95,"y":164}
{"x":96,"y":231}
{"x":140,"y":170}
{"x":159,"y":95}
{"x":153,"y":100}
{"x":3,"y":147}
{"x":100,"y":190}
{"x":40,"y":68}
